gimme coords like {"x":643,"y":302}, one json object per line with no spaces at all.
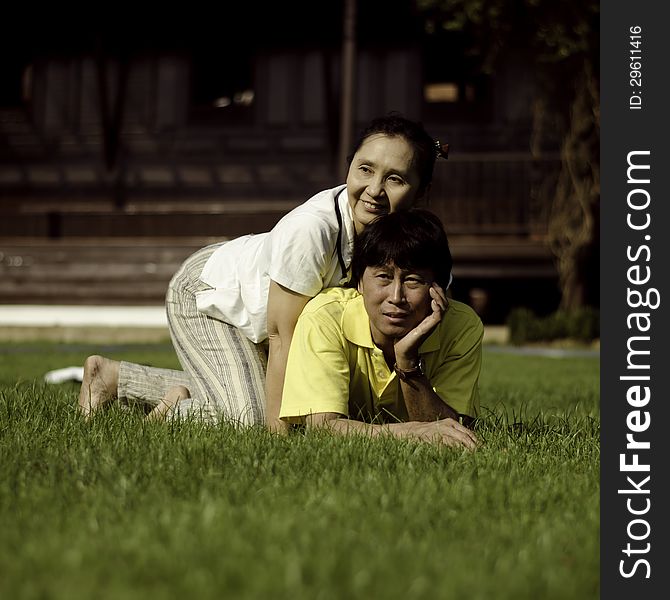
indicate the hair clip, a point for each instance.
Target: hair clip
{"x":441,"y":150}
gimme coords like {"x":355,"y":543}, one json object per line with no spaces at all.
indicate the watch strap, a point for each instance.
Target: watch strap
{"x":412,"y":373}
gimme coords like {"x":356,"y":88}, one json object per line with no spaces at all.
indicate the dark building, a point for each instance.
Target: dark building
{"x":124,"y":148}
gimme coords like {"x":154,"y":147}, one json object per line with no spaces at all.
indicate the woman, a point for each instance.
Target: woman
{"x":228,"y":299}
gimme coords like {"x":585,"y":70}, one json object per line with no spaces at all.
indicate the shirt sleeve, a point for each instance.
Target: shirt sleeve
{"x":456,"y":376}
{"x":317,"y":372}
{"x":302,"y":250}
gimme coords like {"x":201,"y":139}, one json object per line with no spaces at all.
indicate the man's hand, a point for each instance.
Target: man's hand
{"x":445,"y":431}
{"x":407,"y":347}
{"x":422,"y":402}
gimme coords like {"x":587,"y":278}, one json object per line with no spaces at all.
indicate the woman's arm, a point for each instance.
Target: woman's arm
{"x":284,"y":308}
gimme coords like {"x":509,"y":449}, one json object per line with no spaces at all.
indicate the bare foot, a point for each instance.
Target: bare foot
{"x":99,"y":384}
{"x":166,"y":407}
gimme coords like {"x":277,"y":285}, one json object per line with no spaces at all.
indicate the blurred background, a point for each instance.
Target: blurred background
{"x":128,"y":141}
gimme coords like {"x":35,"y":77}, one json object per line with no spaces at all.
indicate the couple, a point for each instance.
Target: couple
{"x":389,"y":349}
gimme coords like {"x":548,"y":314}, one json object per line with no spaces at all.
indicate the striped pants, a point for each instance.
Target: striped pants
{"x":223,"y":370}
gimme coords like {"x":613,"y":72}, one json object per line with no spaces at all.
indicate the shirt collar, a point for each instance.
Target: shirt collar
{"x":356,"y":327}
{"x":356,"y":324}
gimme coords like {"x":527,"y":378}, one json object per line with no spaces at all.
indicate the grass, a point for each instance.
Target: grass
{"x":122,"y":508}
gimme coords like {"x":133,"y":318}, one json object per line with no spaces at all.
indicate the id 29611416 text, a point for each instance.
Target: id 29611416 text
{"x":635,"y":66}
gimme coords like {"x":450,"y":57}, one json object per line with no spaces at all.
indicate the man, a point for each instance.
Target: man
{"x":390,"y":354}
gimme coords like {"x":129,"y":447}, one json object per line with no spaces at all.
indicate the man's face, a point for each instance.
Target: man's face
{"x":396,"y":300}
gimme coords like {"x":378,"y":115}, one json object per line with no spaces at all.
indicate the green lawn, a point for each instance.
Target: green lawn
{"x":121,"y":508}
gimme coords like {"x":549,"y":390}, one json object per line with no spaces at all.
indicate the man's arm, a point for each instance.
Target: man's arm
{"x":445,"y":431}
{"x":421,"y":401}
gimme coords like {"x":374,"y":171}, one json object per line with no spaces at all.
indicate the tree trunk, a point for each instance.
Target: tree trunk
{"x":573,"y":232}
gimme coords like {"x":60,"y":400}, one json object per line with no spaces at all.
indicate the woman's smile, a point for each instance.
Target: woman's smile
{"x":382,"y":178}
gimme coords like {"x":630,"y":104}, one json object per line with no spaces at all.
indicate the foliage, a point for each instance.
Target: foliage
{"x":554,"y":31}
{"x":581,"y":324}
{"x":560,"y":46}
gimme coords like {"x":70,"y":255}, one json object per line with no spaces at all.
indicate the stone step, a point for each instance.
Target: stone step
{"x":108,"y":293}
{"x":137,"y":270}
{"x":123,"y":271}
{"x":145,"y":224}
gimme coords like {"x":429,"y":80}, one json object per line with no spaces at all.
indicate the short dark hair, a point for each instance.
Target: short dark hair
{"x":410,"y":239}
{"x":395,"y":125}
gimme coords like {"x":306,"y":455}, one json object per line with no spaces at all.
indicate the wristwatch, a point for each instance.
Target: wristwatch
{"x":413,"y":373}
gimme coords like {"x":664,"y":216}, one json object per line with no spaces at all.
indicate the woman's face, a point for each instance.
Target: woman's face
{"x":382,"y":178}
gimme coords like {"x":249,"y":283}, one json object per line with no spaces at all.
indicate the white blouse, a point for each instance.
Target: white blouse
{"x":299,"y":253}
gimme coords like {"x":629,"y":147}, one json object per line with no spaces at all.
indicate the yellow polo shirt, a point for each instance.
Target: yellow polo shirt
{"x":334,"y":366}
